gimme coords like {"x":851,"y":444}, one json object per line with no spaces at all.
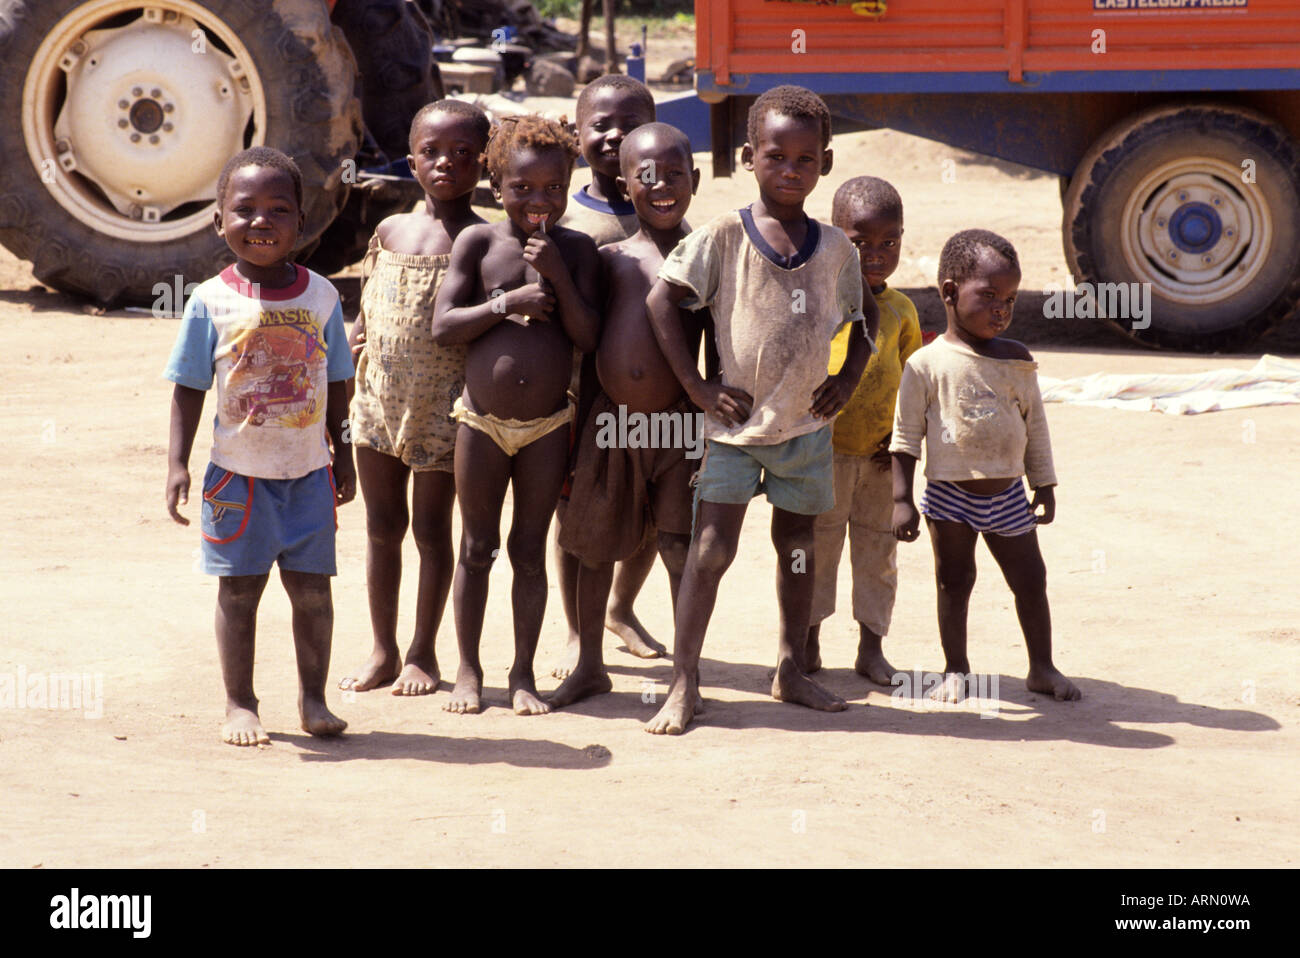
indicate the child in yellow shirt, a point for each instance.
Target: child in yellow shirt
{"x":870,"y":211}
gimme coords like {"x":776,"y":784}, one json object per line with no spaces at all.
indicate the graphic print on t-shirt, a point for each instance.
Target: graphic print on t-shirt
{"x":273,"y":371}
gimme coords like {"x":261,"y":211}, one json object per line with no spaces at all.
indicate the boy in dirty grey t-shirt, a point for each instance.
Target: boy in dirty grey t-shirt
{"x":780,"y":286}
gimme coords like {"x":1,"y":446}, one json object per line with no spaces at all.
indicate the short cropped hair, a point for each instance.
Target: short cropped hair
{"x":674,"y":136}
{"x":792,"y":101}
{"x":266,"y":156}
{"x":472,"y":115}
{"x":630,"y":87}
{"x":961,"y":254}
{"x":515,"y":133}
{"x":866,"y":196}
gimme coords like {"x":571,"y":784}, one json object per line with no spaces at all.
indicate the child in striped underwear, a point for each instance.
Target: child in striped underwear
{"x":973,"y":398}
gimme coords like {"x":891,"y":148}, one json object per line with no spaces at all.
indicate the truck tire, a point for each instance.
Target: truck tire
{"x":1202,"y":202}
{"x":109,"y":211}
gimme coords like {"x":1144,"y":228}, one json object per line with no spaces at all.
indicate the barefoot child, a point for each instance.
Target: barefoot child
{"x":620,"y":489}
{"x":609,"y":108}
{"x":870,"y":211}
{"x":271,"y":334}
{"x":514,"y":414}
{"x":780,"y":285}
{"x":973,"y":398}
{"x":406,"y":385}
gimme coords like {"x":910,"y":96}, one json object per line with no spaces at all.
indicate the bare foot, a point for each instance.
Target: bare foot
{"x":416,"y":681}
{"x":525,"y":701}
{"x":467,"y":696}
{"x":951,"y":690}
{"x":791,"y":685}
{"x":872,"y":665}
{"x":629,"y":628}
{"x":318,"y":720}
{"x":380,"y":669}
{"x":678,"y":710}
{"x":570,"y":660}
{"x":243,"y":727}
{"x":582,"y":683}
{"x":1051,"y":682}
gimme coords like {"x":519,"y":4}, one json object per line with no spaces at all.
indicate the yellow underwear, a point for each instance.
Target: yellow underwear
{"x":511,"y":435}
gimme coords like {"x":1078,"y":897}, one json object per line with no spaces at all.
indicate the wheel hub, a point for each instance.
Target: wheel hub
{"x":1192,"y":230}
{"x":140,"y":114}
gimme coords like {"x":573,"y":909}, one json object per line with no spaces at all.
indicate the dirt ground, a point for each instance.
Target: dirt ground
{"x":1170,"y":567}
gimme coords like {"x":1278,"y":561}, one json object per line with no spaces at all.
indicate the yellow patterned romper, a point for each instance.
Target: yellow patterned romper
{"x":406,"y":383}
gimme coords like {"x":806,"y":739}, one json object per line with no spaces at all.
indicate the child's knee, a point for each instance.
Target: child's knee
{"x":309,"y":593}
{"x":672,"y":550}
{"x":955,"y":579}
{"x":713,"y":552}
{"x":794,"y":534}
{"x":387,"y":526}
{"x":527,"y":554}
{"x":240,"y":594}
{"x":477,"y":555}
{"x":432,"y":534}
{"x":1028,"y":578}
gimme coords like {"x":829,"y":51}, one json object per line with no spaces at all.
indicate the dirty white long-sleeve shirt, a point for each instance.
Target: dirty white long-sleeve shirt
{"x":979,"y":417}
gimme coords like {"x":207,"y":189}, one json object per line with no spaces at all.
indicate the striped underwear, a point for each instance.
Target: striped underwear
{"x":1004,"y":514}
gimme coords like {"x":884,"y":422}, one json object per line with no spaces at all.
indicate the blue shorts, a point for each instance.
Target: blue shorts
{"x":798,"y":475}
{"x":1004,"y":514}
{"x":249,"y":525}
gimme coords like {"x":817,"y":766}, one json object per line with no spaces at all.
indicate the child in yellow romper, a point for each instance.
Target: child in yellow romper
{"x":870,"y":211}
{"x":405,"y":387}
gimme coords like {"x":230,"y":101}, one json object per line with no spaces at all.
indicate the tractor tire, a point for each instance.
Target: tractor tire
{"x":394,"y":49}
{"x":110,"y":211}
{"x":1201,"y":202}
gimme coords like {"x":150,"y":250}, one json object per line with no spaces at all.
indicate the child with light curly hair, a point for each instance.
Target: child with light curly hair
{"x":520,"y":295}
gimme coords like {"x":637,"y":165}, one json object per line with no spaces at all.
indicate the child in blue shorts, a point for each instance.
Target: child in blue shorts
{"x":271,"y":334}
{"x":780,"y":285}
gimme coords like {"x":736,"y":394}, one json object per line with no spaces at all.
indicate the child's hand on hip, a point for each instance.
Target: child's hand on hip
{"x":541,"y":253}
{"x":1044,"y":496}
{"x":178,"y":490}
{"x":727,"y":404}
{"x":831,"y":396}
{"x":906,"y":521}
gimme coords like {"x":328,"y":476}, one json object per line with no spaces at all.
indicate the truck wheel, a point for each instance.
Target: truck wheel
{"x":117,"y":116}
{"x":1202,"y":202}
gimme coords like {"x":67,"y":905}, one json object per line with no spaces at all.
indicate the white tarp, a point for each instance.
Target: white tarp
{"x":1273,"y":381}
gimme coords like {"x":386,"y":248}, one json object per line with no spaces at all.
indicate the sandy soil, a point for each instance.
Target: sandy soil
{"x":1171,"y":564}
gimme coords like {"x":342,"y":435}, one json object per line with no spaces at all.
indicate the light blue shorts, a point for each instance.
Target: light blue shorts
{"x":249,"y":524}
{"x":798,"y":475}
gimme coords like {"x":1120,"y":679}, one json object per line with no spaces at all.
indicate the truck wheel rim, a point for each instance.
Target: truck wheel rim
{"x":130,"y":110}
{"x":1194,"y":231}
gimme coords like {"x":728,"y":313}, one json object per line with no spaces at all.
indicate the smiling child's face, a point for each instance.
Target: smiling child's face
{"x":610,"y":116}
{"x":445,"y":157}
{"x":259,"y":218}
{"x":981,"y":305}
{"x":878,"y":239}
{"x":535,"y":188}
{"x":660,"y":178}
{"x":788,"y":158}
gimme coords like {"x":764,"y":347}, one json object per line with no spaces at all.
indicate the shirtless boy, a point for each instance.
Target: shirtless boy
{"x":609,"y":108}
{"x":519,"y":293}
{"x":619,"y":490}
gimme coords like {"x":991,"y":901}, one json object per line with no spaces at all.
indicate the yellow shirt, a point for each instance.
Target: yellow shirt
{"x":868,"y":416}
